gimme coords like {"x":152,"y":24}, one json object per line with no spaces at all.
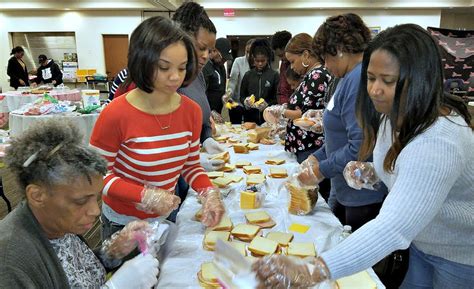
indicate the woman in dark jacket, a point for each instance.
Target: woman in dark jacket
{"x":17,"y":68}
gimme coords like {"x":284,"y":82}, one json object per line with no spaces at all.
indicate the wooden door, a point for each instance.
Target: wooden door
{"x":115,"y":52}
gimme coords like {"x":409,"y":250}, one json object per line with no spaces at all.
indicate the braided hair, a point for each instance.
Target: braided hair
{"x":191,"y":16}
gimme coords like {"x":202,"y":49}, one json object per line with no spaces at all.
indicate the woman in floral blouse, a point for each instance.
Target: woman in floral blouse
{"x":308,"y":95}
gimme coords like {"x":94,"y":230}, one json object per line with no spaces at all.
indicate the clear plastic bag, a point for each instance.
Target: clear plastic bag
{"x":359,"y":175}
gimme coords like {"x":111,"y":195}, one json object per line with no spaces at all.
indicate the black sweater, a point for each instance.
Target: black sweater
{"x":17,"y":72}
{"x":48,"y":73}
{"x":262,"y":84}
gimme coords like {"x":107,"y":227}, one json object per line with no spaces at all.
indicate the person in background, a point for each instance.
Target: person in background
{"x":293,"y":78}
{"x":215,"y":74}
{"x":279,"y":41}
{"x":40,"y":240}
{"x":16,"y":68}
{"x":342,"y":40}
{"x":146,"y":157}
{"x":48,"y":72}
{"x":116,"y":89}
{"x":425,"y":159}
{"x":239,"y":68}
{"x":261,"y":81}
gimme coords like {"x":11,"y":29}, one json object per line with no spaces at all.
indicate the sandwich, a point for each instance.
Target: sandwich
{"x":261,"y":219}
{"x":224,"y":225}
{"x":245,"y":232}
{"x":207,"y":276}
{"x":242,"y":164}
{"x":240,"y":148}
{"x":249,"y":125}
{"x":221,"y":182}
{"x":278,"y":173}
{"x":301,"y":249}
{"x":227,"y":168}
{"x":275,"y":161}
{"x":252,"y":170}
{"x":251,"y":146}
{"x":261,"y":246}
{"x":255,"y":179}
{"x":235,"y":178}
{"x":211,"y":237}
{"x":224,"y":156}
{"x":213,"y":175}
{"x":283,"y":239}
{"x":239,"y":246}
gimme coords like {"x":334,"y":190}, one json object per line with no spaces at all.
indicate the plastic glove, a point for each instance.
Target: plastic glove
{"x":261,"y":104}
{"x":217,"y":117}
{"x":316,"y":116}
{"x":158,"y":201}
{"x":212,"y":147}
{"x":140,"y":272}
{"x":360,"y":175}
{"x":210,"y":165}
{"x":212,"y":207}
{"x":282,"y":272}
{"x":249,"y":102}
{"x":122,"y":243}
{"x":308,"y":173}
{"x":273,"y":114}
{"x":227,"y":97}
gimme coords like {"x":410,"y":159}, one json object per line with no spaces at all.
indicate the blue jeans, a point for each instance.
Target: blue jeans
{"x":431,"y":272}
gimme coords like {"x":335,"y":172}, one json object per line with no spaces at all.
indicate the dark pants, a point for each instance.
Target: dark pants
{"x":356,"y":217}
{"x":253,"y":115}
{"x":236,"y":115}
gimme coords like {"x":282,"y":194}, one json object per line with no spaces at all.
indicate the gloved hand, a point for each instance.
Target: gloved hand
{"x":227,"y":97}
{"x":316,"y":116}
{"x":140,"y":272}
{"x":249,"y":102}
{"x":262,"y":104}
{"x":273,"y":114}
{"x":210,"y":165}
{"x":158,"y":201}
{"x":308,"y":173}
{"x":212,"y":147}
{"x":282,"y":272}
{"x":212,"y":207}
{"x":360,"y":175}
{"x":122,"y":243}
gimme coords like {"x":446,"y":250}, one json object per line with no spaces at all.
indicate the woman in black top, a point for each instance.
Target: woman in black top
{"x":17,"y":68}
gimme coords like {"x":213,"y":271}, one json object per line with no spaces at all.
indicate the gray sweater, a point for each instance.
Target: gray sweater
{"x":27,"y":259}
{"x":197,"y":92}
{"x":430,"y":201}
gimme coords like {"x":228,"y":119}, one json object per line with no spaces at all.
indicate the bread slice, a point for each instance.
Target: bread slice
{"x":225,"y":156}
{"x":245,"y":231}
{"x":224,"y":225}
{"x":239,"y":246}
{"x":257,"y":217}
{"x":301,"y":249}
{"x":235,"y":178}
{"x":211,"y":237}
{"x":227,"y":168}
{"x":249,"y":125}
{"x":278,"y":173}
{"x":303,"y":122}
{"x":282,"y":238}
{"x":252,"y":170}
{"x":221,"y":139}
{"x":213,"y":175}
{"x":222,"y":182}
{"x":361,"y":280}
{"x":255,"y":179}
{"x":242,"y":164}
{"x":275,"y":161}
{"x":208,"y":272}
{"x":263,"y":246}
{"x":240,"y":148}
{"x":251,"y":146}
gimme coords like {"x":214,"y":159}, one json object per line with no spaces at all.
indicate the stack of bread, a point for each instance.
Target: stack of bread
{"x":207,"y":276}
{"x":302,"y":199}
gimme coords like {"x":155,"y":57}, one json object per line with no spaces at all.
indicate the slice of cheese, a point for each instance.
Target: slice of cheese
{"x":263,"y":246}
{"x":257,"y":217}
{"x":248,"y":200}
{"x":245,"y":230}
{"x":241,"y":148}
{"x":222,"y":182}
{"x":213,"y":175}
{"x":299,"y":228}
{"x":278,"y":173}
{"x":301,"y":249}
{"x":224,"y":225}
{"x":211,"y":237}
{"x":361,"y":280}
{"x":282,"y":238}
{"x":242,"y":164}
{"x":275,"y":161}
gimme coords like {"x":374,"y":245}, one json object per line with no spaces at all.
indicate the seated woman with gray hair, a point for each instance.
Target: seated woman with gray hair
{"x":40,"y":241}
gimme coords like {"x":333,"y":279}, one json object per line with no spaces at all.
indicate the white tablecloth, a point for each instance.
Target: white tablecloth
{"x":15,"y":99}
{"x":85,"y":122}
{"x":186,"y":255}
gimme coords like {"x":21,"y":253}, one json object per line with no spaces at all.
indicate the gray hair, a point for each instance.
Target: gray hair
{"x":51,"y":153}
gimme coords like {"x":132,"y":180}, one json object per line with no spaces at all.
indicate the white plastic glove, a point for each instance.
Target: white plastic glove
{"x":360,"y":175}
{"x":261,"y":106}
{"x":273,"y":114}
{"x":212,"y":207}
{"x":138,"y":273}
{"x":248,"y":103}
{"x":212,"y":147}
{"x":210,"y":165}
{"x":158,"y":201}
{"x":309,"y":173}
{"x":316,"y":116}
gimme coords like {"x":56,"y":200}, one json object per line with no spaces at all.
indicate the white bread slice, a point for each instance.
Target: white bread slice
{"x":245,"y":230}
{"x":278,"y":173}
{"x":222,"y":182}
{"x":257,"y":217}
{"x":208,"y":272}
{"x":235,"y":178}
{"x":263,"y":246}
{"x":239,"y":246}
{"x":224,"y":225}
{"x":301,"y":249}
{"x":282,"y":238}
{"x":227,"y":168}
{"x":255,"y":179}
{"x":252,"y":170}
{"x":275,"y":161}
{"x":211,"y":237}
{"x":361,"y":280}
{"x":225,"y":156}
{"x":213,"y":175}
{"x":242,"y":164}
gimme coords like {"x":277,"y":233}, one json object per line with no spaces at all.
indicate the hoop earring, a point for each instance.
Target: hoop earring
{"x":304,"y":65}
{"x":341,"y":55}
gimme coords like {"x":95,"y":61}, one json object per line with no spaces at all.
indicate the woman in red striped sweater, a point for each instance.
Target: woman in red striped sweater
{"x":150,"y":136}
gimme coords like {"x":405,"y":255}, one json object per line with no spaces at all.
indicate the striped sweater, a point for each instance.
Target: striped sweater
{"x":139,"y":152}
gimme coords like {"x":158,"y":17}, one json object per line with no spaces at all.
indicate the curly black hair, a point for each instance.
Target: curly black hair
{"x":344,"y":33}
{"x":280,"y":39}
{"x":191,"y":16}
{"x":52,"y":153}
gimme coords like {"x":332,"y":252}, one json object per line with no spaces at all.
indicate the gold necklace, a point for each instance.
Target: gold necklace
{"x":158,"y":121}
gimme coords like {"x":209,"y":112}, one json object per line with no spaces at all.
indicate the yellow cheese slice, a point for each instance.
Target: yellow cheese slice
{"x":299,"y":228}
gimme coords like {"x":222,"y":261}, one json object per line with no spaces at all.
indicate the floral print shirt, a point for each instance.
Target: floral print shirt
{"x":308,"y":95}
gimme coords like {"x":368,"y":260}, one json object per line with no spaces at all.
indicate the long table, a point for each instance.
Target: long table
{"x":186,"y":253}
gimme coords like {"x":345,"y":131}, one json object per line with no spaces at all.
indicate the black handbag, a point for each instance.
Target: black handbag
{"x":392,"y":269}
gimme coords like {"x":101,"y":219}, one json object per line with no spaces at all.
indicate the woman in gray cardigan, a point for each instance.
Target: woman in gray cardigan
{"x":40,"y":243}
